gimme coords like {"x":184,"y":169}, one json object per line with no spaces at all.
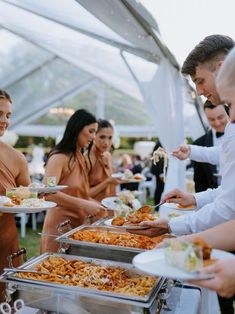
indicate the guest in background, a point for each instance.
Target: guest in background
{"x":13,"y":173}
{"x":99,"y":161}
{"x":204,"y":173}
{"x":67,"y":163}
{"x":137,"y":164}
{"x":157,"y":170}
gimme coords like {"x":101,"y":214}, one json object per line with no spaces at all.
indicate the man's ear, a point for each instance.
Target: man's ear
{"x":218,"y":64}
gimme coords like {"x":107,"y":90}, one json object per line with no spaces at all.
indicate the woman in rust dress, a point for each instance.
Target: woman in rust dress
{"x":99,"y":162}
{"x":67,"y":163}
{"x":13,"y":172}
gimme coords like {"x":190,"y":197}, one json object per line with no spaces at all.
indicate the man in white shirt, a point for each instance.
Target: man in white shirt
{"x":214,"y":206}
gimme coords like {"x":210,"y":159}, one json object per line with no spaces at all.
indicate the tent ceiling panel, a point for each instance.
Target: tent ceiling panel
{"x":19,"y":57}
{"x":126,"y":110}
{"x":71,"y":46}
{"x":72,"y":14}
{"x":44,"y":87}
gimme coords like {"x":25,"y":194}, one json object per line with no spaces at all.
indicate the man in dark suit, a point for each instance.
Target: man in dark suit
{"x":205,"y":173}
{"x":157,"y":170}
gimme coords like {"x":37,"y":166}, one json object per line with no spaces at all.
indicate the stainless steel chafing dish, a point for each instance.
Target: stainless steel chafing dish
{"x":97,"y":250}
{"x":66,"y":299}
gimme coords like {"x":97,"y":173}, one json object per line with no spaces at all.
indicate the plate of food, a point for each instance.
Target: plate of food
{"x":124,"y":201}
{"x":132,"y":220}
{"x":180,"y":260}
{"x":179,"y":207}
{"x":42,"y":188}
{"x":129,"y":177}
{"x":124,"y":226}
{"x":29,"y":205}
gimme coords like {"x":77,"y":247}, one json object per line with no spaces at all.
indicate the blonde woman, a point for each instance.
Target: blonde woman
{"x":13,"y":173}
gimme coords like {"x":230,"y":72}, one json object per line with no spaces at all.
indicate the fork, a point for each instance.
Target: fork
{"x":153,"y":206}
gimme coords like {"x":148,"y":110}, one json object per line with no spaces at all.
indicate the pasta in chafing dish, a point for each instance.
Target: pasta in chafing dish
{"x":157,"y":155}
{"x":90,"y":275}
{"x":110,"y":238}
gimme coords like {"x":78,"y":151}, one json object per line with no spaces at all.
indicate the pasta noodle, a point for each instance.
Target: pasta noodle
{"x":90,"y":275}
{"x":110,"y":238}
{"x":157,"y":155}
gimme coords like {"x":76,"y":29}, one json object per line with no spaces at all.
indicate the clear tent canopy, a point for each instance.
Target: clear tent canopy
{"x":106,"y":56}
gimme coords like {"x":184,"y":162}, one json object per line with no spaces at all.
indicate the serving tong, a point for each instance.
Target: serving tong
{"x":18,"y":270}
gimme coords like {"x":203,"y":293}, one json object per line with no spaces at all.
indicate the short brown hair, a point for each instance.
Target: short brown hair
{"x":208,"y":105}
{"x":5,"y":95}
{"x":214,"y":47}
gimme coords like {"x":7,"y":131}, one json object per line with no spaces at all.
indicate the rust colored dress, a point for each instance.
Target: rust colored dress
{"x":8,"y":231}
{"x":101,"y":170}
{"x":78,"y":186}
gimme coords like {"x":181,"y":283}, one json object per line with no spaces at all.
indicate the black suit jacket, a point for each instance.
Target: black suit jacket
{"x":203,"y":172}
{"x":158,"y":168}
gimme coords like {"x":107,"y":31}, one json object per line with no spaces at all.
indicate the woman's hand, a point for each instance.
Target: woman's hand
{"x":223,"y":281}
{"x":93,"y":208}
{"x":115,"y":181}
{"x":179,"y":197}
{"x":182,"y":152}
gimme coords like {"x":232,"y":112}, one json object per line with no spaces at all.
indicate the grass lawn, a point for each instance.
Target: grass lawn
{"x":32,"y":241}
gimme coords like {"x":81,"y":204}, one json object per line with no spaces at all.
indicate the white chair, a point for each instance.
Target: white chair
{"x":147,"y":185}
{"x":23,"y":221}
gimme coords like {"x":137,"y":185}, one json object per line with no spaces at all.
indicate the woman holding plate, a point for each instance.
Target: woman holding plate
{"x":99,"y":161}
{"x":13,"y":173}
{"x":67,"y":163}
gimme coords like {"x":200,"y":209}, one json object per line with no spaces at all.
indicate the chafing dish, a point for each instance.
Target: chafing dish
{"x":97,"y":250}
{"x":66,"y":299}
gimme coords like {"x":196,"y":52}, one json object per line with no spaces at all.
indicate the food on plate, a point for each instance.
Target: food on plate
{"x":135,"y":218}
{"x":157,"y":155}
{"x":114,"y":238}
{"x":145,"y":209}
{"x":21,"y":192}
{"x":91,"y":275}
{"x":162,"y":237}
{"x":185,"y":206}
{"x":36,"y":185}
{"x":32,"y":202}
{"x":51,"y":181}
{"x":188,"y":256}
{"x":138,"y":177}
{"x":118,"y":221}
{"x":127,"y":175}
{"x":127,"y":201}
{"x":22,"y":197}
{"x":174,"y":214}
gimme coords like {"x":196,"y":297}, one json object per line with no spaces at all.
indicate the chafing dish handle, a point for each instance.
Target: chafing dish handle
{"x":66,"y":223}
{"x":21,"y":252}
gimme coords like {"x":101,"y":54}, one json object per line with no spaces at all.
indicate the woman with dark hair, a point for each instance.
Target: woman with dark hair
{"x":99,"y":162}
{"x":67,"y":164}
{"x":13,"y":172}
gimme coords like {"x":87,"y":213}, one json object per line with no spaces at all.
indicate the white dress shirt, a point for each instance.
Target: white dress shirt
{"x":215,"y":206}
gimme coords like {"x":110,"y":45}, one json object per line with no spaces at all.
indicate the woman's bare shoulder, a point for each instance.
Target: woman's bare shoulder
{"x":58,"y":158}
{"x":11,"y":152}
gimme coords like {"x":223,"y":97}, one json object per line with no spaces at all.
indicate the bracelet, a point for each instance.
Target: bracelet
{"x":169,"y":228}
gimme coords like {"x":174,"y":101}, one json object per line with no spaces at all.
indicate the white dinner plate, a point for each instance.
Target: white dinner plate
{"x":20,"y":209}
{"x":154,"y":263}
{"x":121,"y":176}
{"x":175,"y":206}
{"x":48,"y":189}
{"x":109,"y":223}
{"x":111,"y":203}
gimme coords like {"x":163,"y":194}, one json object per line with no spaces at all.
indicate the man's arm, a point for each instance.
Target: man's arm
{"x":205,"y":154}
